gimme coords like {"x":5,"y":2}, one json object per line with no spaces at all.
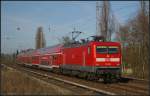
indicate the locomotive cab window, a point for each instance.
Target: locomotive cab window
{"x":101,"y":49}
{"x":89,"y":49}
{"x":112,"y":49}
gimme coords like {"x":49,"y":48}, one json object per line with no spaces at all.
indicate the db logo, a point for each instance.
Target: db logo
{"x":107,"y":59}
{"x":107,"y":55}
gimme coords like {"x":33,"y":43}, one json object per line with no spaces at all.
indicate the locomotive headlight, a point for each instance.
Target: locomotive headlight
{"x":107,"y":59}
{"x":100,"y":59}
{"x":114,"y":59}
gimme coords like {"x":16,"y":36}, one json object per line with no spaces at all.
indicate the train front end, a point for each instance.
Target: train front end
{"x":107,"y":59}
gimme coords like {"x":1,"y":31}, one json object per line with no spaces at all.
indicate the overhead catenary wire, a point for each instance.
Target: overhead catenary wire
{"x":84,"y":23}
{"x":112,"y":5}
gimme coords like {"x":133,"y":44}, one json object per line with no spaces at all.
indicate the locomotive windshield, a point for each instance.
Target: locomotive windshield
{"x":107,"y":49}
{"x":101,"y":49}
{"x":113,"y":49}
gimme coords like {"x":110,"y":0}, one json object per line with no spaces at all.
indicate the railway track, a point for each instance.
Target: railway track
{"x":76,"y":88}
{"x":80,"y":86}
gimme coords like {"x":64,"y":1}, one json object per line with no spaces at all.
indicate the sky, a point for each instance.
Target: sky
{"x":61,"y":17}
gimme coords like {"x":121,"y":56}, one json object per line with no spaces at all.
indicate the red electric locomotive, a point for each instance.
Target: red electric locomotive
{"x":93,"y":60}
{"x":90,"y":59}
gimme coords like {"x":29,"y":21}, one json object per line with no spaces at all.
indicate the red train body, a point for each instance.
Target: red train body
{"x":93,"y":57}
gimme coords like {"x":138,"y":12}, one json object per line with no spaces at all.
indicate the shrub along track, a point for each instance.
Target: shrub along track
{"x":81,"y":86}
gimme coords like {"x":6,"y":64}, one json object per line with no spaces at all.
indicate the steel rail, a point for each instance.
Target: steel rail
{"x":130,"y":89}
{"x":68,"y":82}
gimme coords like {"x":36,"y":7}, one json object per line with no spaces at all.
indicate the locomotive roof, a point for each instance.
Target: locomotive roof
{"x":58,"y":47}
{"x":92,"y":42}
{"x":107,"y":43}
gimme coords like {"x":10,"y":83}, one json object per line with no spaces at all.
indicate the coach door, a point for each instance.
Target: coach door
{"x":51,"y":59}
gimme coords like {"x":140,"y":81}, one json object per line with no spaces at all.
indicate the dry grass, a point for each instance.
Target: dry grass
{"x":16,"y":83}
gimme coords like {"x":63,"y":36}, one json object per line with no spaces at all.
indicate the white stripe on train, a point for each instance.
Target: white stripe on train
{"x":107,"y":59}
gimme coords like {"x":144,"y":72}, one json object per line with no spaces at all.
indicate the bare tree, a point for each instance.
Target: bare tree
{"x":136,"y":34}
{"x":105,"y":10}
{"x":112,"y":26}
{"x":98,"y":18}
{"x":106,"y":23}
{"x":40,"y":39}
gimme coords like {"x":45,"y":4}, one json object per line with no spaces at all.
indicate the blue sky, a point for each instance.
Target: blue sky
{"x":60,"y":16}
